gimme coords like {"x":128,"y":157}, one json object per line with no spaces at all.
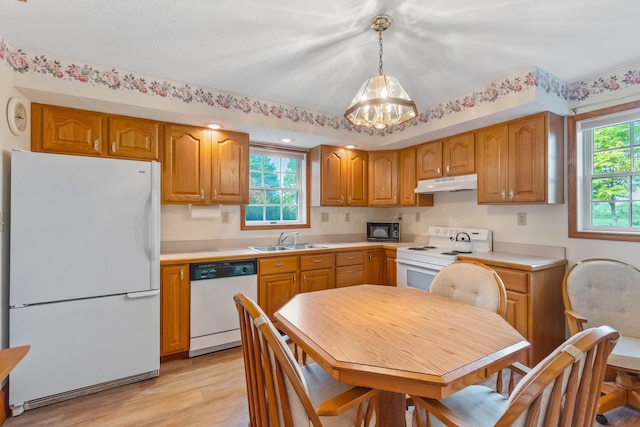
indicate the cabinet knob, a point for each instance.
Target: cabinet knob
{"x":447,"y":168}
{"x":202,"y":194}
{"x":511,"y":194}
{"x":293,"y":279}
{"x":349,"y":200}
{"x":96,"y":145}
{"x":317,"y":260}
{"x":113,"y":147}
{"x":215,"y":193}
{"x":438,"y":171}
{"x":278,"y":264}
{"x":341,"y":198}
{"x":181,"y":274}
{"x":502,"y":194}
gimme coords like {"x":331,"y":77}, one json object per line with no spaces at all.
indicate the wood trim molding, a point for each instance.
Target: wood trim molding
{"x":572,"y":169}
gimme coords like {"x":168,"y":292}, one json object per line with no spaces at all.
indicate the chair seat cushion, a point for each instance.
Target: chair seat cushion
{"x":323,"y":387}
{"x":626,"y":354}
{"x":479,"y":405}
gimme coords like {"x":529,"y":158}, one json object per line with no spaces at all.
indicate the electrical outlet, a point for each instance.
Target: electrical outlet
{"x":417,"y":216}
{"x":522,"y":218}
{"x":324,"y":216}
{"x":347,"y":216}
{"x":225,"y":217}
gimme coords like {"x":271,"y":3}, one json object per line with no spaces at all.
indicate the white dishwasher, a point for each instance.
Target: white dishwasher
{"x":214,"y":318}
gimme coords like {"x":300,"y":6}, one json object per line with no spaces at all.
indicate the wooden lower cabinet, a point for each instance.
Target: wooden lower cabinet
{"x":277,"y":282}
{"x":534,"y":306}
{"x":349,"y":268}
{"x":391,"y":270}
{"x":174,"y":309}
{"x":317,"y":272}
{"x":375,"y":263}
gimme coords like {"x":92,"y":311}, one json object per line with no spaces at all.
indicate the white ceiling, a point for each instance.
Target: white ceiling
{"x":316,"y":54}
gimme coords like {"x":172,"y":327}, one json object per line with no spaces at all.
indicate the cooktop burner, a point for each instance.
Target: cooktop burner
{"x":421,"y":248}
{"x":456,"y":252}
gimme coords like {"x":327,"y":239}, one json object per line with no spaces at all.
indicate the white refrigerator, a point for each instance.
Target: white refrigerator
{"x":84,"y":275}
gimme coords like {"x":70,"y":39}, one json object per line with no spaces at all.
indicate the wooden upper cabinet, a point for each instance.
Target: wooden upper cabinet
{"x":448,"y":157}
{"x":184,"y":167}
{"x":130,"y":137}
{"x":201,"y":166}
{"x":67,"y":131}
{"x":71,"y":131}
{"x":383,"y":178}
{"x":229,"y":167}
{"x":339,"y":176}
{"x":429,"y":160}
{"x":458,"y":154}
{"x":408,"y":181}
{"x":521,"y":161}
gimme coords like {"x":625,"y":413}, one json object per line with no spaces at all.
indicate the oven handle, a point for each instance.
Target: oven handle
{"x":411,"y":263}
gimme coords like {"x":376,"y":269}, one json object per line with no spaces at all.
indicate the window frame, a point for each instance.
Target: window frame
{"x":306,"y":189}
{"x":576,"y":205}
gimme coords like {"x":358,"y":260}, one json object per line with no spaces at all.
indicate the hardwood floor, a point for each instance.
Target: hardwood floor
{"x":203,"y":391}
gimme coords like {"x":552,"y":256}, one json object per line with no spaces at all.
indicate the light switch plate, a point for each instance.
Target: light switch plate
{"x":324,"y":216}
{"x":225,"y":217}
{"x":347,"y":216}
{"x":522,"y":218}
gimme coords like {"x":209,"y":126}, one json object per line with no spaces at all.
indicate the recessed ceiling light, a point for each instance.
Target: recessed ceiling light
{"x":214,"y":126}
{"x":351,"y":146}
{"x":286,"y":140}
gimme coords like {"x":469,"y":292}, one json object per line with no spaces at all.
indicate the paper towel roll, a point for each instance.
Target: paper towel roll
{"x":205,"y":211}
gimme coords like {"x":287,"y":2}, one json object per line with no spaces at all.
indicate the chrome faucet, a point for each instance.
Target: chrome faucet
{"x":281,"y":239}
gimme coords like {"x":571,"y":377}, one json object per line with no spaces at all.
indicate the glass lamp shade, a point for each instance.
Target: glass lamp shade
{"x":381,"y":102}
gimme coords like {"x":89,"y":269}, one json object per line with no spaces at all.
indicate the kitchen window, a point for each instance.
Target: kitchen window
{"x":604,"y":173}
{"x":278,"y":189}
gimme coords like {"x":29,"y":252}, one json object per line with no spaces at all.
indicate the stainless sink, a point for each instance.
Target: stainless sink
{"x":271,"y":248}
{"x":274,"y":248}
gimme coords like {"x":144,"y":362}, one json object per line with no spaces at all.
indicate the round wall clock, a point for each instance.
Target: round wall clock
{"x":17,"y":116}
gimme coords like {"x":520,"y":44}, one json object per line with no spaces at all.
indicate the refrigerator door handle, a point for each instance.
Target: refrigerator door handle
{"x":143,"y":294}
{"x":155,"y":225}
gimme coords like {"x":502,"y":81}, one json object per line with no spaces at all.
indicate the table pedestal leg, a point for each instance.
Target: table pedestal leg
{"x":390,"y":409}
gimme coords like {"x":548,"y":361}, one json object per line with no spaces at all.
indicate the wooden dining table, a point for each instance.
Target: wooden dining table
{"x":399,"y":341}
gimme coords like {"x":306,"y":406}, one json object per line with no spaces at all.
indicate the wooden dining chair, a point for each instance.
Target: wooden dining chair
{"x":473,"y":283}
{"x":602,"y":291}
{"x":561,"y":390}
{"x":477,"y":284}
{"x":282,"y":393}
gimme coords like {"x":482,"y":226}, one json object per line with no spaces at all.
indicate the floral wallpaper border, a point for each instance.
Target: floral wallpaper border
{"x":21,"y":61}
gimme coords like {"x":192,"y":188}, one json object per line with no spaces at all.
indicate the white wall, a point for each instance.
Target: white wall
{"x":8,"y":141}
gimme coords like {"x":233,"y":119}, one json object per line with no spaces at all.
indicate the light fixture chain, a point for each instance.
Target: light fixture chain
{"x":380,"y":41}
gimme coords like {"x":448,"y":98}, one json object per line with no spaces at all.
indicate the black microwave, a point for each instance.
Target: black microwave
{"x":383,"y":231}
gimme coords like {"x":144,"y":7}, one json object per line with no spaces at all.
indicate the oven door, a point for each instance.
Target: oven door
{"x":414,"y":274}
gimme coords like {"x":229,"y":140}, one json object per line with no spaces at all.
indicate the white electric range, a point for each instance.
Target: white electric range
{"x":418,"y":265}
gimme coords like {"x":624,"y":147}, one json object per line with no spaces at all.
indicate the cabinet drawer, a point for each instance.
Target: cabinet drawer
{"x":314,"y":262}
{"x":278,"y":265}
{"x":349,"y":275}
{"x":349,"y":258}
{"x":517,"y":281}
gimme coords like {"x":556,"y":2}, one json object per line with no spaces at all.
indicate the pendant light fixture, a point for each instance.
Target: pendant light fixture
{"x":381,"y":100}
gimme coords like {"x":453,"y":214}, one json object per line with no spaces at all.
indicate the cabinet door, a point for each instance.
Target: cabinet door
{"x":527,"y":168}
{"x":458,"y":154}
{"x":429,"y":160}
{"x":276,"y":289}
{"x":408,"y":180}
{"x":493,"y":163}
{"x":333,"y":176}
{"x":69,"y":131}
{"x":517,"y":315}
{"x":174,"y":309}
{"x":185,"y":169}
{"x":229,"y":167}
{"x":374,"y":267}
{"x":133,"y":138}
{"x":383,"y":178}
{"x":357,"y":178}
{"x":317,"y":280}
{"x":391,"y":269}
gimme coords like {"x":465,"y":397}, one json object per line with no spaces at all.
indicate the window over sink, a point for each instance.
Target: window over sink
{"x":278,"y":188}
{"x":604,"y":173}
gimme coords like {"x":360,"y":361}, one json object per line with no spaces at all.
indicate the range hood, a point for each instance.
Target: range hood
{"x":449,"y":183}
